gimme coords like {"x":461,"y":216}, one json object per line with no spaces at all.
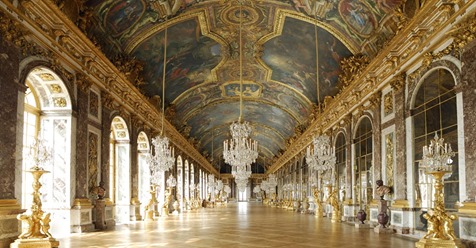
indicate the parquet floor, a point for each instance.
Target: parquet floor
{"x":237,"y":225}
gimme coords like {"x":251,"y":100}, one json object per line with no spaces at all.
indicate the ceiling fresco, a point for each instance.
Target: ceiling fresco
{"x":190,"y":59}
{"x":282,"y":84}
{"x":292,"y":58}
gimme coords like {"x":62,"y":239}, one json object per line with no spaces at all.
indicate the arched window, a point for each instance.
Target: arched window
{"x":186,"y":186}
{"x":340,"y":163}
{"x":47,"y":115}
{"x":179,"y":194}
{"x":144,"y":170}
{"x":120,"y":169}
{"x":435,"y":112}
{"x":192,"y":182}
{"x":363,"y":163}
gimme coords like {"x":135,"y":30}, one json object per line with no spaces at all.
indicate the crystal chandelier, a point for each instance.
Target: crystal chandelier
{"x":437,"y":156}
{"x":40,"y":154}
{"x":241,"y":183}
{"x":240,"y":151}
{"x":322,"y":156}
{"x":163,"y":158}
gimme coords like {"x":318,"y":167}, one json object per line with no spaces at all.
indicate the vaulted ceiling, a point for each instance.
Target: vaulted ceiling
{"x":291,"y":60}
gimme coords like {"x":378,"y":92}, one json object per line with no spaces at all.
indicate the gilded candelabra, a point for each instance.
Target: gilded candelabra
{"x":168,"y":198}
{"x":437,"y":162}
{"x":333,"y":200}
{"x":318,"y":212}
{"x":37,"y":222}
{"x":36,"y":227}
{"x":150,"y":207}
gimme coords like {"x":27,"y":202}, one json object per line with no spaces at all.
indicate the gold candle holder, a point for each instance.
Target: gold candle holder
{"x":150,"y":208}
{"x":318,"y":212}
{"x":333,"y":200}
{"x":440,"y":224}
{"x":36,"y":231}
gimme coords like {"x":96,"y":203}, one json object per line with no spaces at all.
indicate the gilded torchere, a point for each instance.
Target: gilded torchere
{"x":37,"y":223}
{"x":317,"y":200}
{"x":437,"y":162}
{"x":150,"y":209}
{"x":333,"y":200}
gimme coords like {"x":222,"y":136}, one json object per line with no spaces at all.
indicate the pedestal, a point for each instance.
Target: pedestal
{"x":382,"y":216}
{"x":380,"y":229}
{"x":135,"y":210}
{"x":100,"y":207}
{"x":35,"y":243}
{"x":364,"y":226}
{"x":9,"y":228}
{"x":81,"y":216}
{"x":438,"y":243}
{"x":401,"y":214}
{"x":109,"y":209}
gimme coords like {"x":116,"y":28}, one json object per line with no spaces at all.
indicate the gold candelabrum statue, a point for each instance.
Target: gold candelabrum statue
{"x":440,"y":231}
{"x":318,"y":212}
{"x":150,"y":208}
{"x":168,"y":198}
{"x":37,"y":222}
{"x":333,"y":200}
{"x":437,"y":162}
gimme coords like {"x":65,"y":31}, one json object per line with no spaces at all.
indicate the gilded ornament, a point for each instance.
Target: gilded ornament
{"x":93,"y":104}
{"x":56,"y":88}
{"x":398,"y":82}
{"x":351,"y":68}
{"x":375,"y":100}
{"x":83,"y":82}
{"x":59,"y":102}
{"x":389,"y":158}
{"x":93,"y":169}
{"x":388,"y":103}
{"x":46,"y":77}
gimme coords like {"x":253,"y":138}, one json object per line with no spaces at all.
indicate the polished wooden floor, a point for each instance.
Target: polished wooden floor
{"x":237,"y":225}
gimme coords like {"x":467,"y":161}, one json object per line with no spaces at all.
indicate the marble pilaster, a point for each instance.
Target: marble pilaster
{"x":469,"y":106}
{"x":8,"y":117}
{"x":82,"y":144}
{"x":105,"y":140}
{"x":375,"y":107}
{"x":400,"y":190}
{"x":135,"y":204}
{"x":9,"y":170}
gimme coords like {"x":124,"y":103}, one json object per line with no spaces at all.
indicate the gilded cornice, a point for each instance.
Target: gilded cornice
{"x":54,"y":31}
{"x":411,"y":47}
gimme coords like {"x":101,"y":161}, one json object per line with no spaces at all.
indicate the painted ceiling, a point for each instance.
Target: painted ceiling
{"x":291,"y":60}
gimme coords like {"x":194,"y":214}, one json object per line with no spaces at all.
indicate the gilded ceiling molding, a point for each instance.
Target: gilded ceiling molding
{"x":375,"y":100}
{"x":398,"y":82}
{"x":462,"y":33}
{"x":352,"y":68}
{"x":49,"y":25}
{"x":434,"y":18}
{"x":83,"y":82}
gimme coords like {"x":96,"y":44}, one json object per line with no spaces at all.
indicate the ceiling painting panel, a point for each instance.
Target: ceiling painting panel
{"x":292,"y":58}
{"x":191,"y":58}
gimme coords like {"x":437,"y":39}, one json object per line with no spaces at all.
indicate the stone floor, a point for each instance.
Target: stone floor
{"x":238,"y":225}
